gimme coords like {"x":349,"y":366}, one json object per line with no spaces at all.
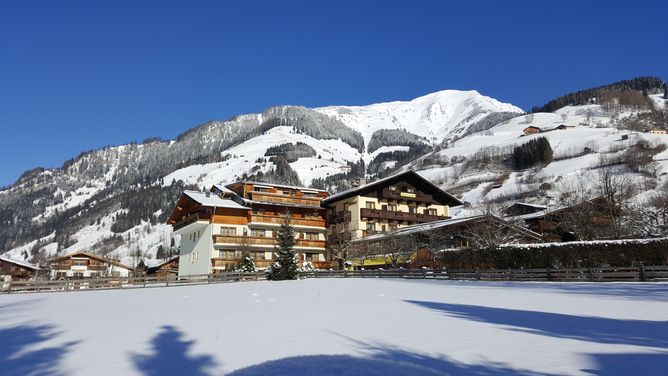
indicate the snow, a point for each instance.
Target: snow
{"x":341,"y":327}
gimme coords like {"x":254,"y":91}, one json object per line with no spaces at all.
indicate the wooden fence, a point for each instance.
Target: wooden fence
{"x":610,"y":274}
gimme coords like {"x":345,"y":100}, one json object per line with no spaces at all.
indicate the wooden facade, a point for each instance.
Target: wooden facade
{"x":531,"y":130}
{"x":87,"y":265}
{"x":16,"y":270}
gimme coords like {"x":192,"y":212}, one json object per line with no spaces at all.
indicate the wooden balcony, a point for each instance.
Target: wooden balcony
{"x":339,"y":217}
{"x":399,"y":216}
{"x":280,"y":198}
{"x":263,"y":241}
{"x":418,"y":197}
{"x":188,"y":221}
{"x":264,"y":218}
{"x":218,"y":263}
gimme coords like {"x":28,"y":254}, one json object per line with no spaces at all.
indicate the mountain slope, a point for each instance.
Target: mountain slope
{"x":113,"y":200}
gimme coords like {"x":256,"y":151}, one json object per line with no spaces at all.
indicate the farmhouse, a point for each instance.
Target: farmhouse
{"x":218,"y":227}
{"x":657,"y":131}
{"x":531,"y":130}
{"x":87,"y":265}
{"x":14,"y":270}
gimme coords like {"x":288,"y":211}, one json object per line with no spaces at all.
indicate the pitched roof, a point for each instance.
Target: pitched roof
{"x":363,"y":189}
{"x":212,"y":199}
{"x":20,"y":263}
{"x":437,"y":225}
{"x":93,"y":256}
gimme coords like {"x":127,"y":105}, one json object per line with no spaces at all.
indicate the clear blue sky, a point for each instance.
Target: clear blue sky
{"x":79,"y":75}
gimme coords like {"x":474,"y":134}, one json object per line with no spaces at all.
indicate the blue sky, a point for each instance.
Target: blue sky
{"x":79,"y":75}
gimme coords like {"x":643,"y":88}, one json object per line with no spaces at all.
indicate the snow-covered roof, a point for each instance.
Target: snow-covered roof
{"x":20,"y":263}
{"x":212,"y":199}
{"x":430,"y":226}
{"x":530,"y":205}
{"x":223,"y":188}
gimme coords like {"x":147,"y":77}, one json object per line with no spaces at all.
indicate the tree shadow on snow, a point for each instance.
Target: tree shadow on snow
{"x":170,"y":356}
{"x":643,"y":333}
{"x":17,"y":358}
{"x":383,"y":363}
{"x":594,"y":329}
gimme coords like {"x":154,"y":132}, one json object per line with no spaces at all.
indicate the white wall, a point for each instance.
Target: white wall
{"x":195,"y":256}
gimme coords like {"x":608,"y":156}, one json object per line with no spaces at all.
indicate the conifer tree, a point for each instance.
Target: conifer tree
{"x":285,"y":266}
{"x":247,"y":265}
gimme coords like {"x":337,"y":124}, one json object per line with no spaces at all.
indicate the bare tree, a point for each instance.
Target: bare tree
{"x":616,"y":192}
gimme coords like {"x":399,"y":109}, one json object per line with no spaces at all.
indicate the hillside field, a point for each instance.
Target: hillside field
{"x":340,"y":327}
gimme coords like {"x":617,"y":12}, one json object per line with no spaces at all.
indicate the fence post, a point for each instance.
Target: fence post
{"x":477,"y":274}
{"x":641,"y":272}
{"x":549,"y":274}
{"x":380,"y":273}
{"x":510,"y":274}
{"x":591,"y":274}
{"x":424,"y":273}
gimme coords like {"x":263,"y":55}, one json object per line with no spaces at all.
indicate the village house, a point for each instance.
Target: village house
{"x":218,"y":227}
{"x":424,"y":241}
{"x":167,"y":270}
{"x":87,"y":265}
{"x":657,"y":131}
{"x":523,"y":208}
{"x":15,"y":270}
{"x":384,"y":205}
{"x":531,"y":130}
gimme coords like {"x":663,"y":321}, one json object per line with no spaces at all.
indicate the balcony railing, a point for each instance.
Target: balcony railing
{"x":400,"y":216}
{"x":339,"y":217}
{"x":283,"y":199}
{"x":188,"y":221}
{"x":258,"y":240}
{"x":406,"y":196}
{"x":264,"y":218}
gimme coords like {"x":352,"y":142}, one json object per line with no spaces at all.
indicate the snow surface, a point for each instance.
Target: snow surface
{"x":341,"y":327}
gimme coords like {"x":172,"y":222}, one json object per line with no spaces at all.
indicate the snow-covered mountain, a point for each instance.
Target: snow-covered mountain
{"x":115,"y":200}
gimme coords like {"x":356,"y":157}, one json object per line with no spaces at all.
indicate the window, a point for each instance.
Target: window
{"x":392,"y":207}
{"x":370,"y":205}
{"x":311,"y":235}
{"x":370,"y":226}
{"x":433,"y":212}
{"x":410,"y":190}
{"x":79,"y":262}
{"x":311,"y":257}
{"x":258,"y":211}
{"x":393,"y":188}
{"x":259,"y":256}
{"x":411,"y":209}
{"x":310,"y":194}
{"x":393,"y":227}
{"x":382,"y":228}
{"x":228,"y":231}
{"x":257,"y":232}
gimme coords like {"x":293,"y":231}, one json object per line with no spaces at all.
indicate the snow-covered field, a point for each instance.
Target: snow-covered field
{"x":341,"y":327}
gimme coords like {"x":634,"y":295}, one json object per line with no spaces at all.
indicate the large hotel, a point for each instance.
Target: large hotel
{"x":218,"y":226}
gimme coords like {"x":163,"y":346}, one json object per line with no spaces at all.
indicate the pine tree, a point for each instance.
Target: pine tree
{"x":247,"y":265}
{"x":285,"y":266}
{"x":161,"y":254}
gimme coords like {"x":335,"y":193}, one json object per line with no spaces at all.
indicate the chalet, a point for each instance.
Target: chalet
{"x":422,"y":240}
{"x":585,"y":220}
{"x":87,"y":265}
{"x":15,"y":270}
{"x":522,"y":208}
{"x":564,"y":126}
{"x":531,"y":130}
{"x":218,"y":226}
{"x":385,"y":205}
{"x":166,"y":270}
{"x":657,"y":131}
